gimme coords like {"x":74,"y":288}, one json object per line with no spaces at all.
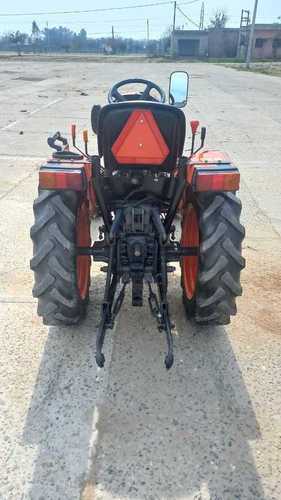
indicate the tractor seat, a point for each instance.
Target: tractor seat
{"x":140,"y":135}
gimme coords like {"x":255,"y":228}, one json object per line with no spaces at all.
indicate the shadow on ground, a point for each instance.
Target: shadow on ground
{"x":182,"y":434}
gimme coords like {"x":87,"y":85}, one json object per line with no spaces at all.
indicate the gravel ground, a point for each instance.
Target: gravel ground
{"x":208,"y":429}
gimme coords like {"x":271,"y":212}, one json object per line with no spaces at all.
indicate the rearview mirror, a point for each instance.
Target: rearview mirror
{"x":178,"y":89}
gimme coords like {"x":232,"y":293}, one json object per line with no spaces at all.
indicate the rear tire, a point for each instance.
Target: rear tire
{"x":55,"y":264}
{"x":219,"y":261}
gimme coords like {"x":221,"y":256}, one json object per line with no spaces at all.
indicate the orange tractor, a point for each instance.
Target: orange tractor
{"x":137,"y":184}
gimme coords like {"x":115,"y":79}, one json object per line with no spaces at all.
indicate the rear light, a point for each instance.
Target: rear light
{"x":53,"y":179}
{"x":209,"y":181}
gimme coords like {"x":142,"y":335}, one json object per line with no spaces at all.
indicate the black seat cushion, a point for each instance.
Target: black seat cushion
{"x":170,"y":120}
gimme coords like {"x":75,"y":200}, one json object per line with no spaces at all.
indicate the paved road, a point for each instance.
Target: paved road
{"x":210,"y":428}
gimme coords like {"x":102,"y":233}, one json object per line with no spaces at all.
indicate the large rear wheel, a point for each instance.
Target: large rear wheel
{"x":62,"y":278}
{"x":211,"y":281}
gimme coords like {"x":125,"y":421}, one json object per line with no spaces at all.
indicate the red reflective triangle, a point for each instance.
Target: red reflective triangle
{"x":140,"y":141}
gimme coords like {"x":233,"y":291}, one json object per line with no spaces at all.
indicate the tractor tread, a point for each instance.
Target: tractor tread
{"x":231,"y":284}
{"x":231,"y":197}
{"x":212,"y":208}
{"x":59,"y":298}
{"x":44,"y":251}
{"x":61,"y":318}
{"x":45,"y":309}
{"x":57,"y":234}
{"x":214,"y":239}
{"x":213,"y":299}
{"x":54,"y":258}
{"x":43,"y":285}
{"x":228,"y":215}
{"x":42,"y":221}
{"x":220,"y":261}
{"x":235,"y":254}
{"x":59,"y":270}
{"x":42,"y":197}
{"x":210,"y":274}
{"x":206,"y":320}
{"x":64,"y":209}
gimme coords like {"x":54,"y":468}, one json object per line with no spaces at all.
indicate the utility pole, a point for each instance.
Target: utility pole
{"x":112,"y":40}
{"x":174,"y":28}
{"x":48,"y":37}
{"x":202,"y":16}
{"x":243,"y":31}
{"x":147,"y":37}
{"x":251,"y":38}
{"x":174,"y":19}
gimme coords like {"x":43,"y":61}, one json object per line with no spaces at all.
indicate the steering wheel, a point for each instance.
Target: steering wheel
{"x":115,"y":96}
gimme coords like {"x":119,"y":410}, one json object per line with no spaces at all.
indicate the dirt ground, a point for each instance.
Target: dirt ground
{"x":209,"y":429}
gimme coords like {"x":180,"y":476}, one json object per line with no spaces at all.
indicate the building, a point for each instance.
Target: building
{"x":267,"y":41}
{"x":190,"y":43}
{"x":223,"y":43}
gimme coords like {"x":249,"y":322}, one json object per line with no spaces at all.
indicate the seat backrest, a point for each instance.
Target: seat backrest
{"x":118,"y":124}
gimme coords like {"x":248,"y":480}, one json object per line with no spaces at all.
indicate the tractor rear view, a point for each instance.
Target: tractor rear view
{"x":137,"y":184}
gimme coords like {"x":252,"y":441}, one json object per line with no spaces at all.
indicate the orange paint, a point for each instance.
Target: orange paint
{"x":190,"y":238}
{"x":140,"y":141}
{"x":83,"y":239}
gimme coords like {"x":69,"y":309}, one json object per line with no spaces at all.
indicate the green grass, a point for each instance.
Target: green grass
{"x":224,"y":60}
{"x":264,"y":68}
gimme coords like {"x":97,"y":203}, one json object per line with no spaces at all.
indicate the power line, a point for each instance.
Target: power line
{"x":81,"y":21}
{"x":189,"y":3}
{"x":188,"y":18}
{"x":51,"y":13}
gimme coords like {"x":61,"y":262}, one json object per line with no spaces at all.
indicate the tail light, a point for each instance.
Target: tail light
{"x":210,"y":181}
{"x":62,"y":179}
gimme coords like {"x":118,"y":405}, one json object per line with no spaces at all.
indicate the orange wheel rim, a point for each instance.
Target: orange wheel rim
{"x":83,"y":239}
{"x":190,"y":238}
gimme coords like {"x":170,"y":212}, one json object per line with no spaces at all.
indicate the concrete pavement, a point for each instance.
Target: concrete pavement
{"x":210,"y":428}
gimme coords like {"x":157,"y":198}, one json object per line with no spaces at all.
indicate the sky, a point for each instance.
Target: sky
{"x":128,"y":22}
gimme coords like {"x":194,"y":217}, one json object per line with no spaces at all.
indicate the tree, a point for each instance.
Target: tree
{"x":83,"y":34}
{"x":165,"y":40}
{"x":79,"y":41}
{"x":219,"y":20}
{"x":35,"y":30}
{"x":18,"y":39}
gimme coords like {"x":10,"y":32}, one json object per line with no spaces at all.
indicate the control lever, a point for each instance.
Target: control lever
{"x":203,"y":137}
{"x":85,"y":139}
{"x":194,"y":124}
